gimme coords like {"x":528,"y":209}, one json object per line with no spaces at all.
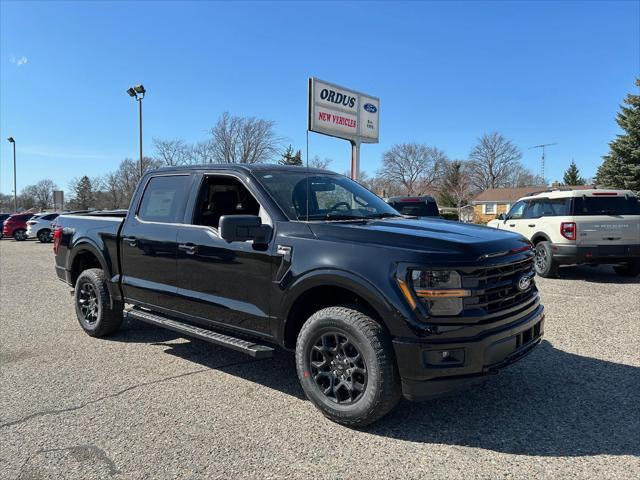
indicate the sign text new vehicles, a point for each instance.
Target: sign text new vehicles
{"x":343,"y":113}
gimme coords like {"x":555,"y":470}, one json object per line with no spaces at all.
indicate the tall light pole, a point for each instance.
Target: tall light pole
{"x":15,"y":193}
{"x":138,"y":92}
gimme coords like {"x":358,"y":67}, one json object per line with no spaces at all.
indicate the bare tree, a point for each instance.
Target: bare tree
{"x":492,"y":160}
{"x":415,"y":167}
{"x":129,"y":175}
{"x":112,"y":189}
{"x":317,"y":162}
{"x":201,"y":152}
{"x":244,"y":140}
{"x":43,"y":193}
{"x":171,"y":152}
{"x":456,"y":188}
{"x":519,"y":176}
{"x":27,"y":198}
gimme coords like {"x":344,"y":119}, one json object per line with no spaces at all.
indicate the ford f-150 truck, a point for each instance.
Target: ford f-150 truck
{"x":375,"y":304}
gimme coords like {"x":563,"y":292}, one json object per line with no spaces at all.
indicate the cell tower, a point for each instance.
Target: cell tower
{"x":543,"y":152}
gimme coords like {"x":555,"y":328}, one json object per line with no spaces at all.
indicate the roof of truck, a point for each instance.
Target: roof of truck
{"x":246,"y":167}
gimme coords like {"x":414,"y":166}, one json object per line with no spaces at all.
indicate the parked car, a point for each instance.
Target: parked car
{"x":374,"y":304}
{"x":40,"y":226}
{"x":3,"y":217}
{"x":16,"y":226}
{"x":579,"y":227}
{"x":423,"y":206}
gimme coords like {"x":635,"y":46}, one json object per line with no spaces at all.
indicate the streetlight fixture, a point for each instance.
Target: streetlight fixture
{"x":138,"y":92}
{"x":15,"y":193}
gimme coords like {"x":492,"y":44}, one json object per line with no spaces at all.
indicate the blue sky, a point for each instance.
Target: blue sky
{"x":445,"y":73}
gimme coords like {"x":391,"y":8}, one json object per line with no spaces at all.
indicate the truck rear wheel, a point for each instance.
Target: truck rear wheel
{"x":346,"y":366}
{"x":97,"y":314}
{"x":544,"y":263}
{"x":631,"y":269}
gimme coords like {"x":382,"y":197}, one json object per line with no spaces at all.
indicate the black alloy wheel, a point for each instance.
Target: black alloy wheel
{"x":338,"y":368}
{"x":88,"y":304}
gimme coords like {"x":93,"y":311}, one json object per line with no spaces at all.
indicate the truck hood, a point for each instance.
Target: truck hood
{"x":450,"y":241}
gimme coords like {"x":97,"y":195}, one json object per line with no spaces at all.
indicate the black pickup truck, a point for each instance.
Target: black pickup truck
{"x":375,"y":304}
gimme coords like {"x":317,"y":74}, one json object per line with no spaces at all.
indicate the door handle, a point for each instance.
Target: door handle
{"x":512,"y":224}
{"x":188,"y":248}
{"x":532,"y":224}
{"x":132,"y":241}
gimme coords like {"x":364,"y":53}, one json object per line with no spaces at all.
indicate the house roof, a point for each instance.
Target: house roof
{"x":509,"y":195}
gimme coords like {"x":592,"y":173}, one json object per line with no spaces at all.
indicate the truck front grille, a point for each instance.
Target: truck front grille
{"x":496,"y":288}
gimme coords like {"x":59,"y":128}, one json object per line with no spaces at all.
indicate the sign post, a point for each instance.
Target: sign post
{"x":343,"y":113}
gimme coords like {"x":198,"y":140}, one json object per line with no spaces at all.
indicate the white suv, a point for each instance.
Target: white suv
{"x":39,"y":226}
{"x":579,"y":226}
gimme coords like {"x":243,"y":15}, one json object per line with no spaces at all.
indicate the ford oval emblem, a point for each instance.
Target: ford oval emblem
{"x":524,"y":283}
{"x":370,"y":108}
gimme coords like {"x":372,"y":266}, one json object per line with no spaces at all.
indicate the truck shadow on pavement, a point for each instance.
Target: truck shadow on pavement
{"x":552,"y":403}
{"x":596,"y":274}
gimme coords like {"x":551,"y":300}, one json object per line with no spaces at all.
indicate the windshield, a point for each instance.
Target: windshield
{"x":331,"y":197}
{"x":606,"y":206}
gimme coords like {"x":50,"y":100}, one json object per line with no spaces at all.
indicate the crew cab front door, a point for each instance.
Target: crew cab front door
{"x":148,"y":242}
{"x":219,"y":282}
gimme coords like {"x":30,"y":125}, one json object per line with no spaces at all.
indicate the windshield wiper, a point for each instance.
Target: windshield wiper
{"x":331,"y":216}
{"x":382,"y":215}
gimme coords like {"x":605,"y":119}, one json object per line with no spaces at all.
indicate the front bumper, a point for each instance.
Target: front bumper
{"x":432,"y":368}
{"x":573,"y":254}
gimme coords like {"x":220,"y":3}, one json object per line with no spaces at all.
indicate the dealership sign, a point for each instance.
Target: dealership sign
{"x":343,"y":113}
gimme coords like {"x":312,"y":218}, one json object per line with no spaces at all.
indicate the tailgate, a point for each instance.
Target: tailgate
{"x":608,"y":230}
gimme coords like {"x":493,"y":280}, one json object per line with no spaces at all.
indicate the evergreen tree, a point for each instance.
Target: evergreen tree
{"x":83,"y":194}
{"x":621,"y":167}
{"x":288,"y":157}
{"x":572,"y":175}
{"x":297,"y":159}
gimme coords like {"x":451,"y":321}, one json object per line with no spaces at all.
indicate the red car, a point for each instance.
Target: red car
{"x":16,"y":226}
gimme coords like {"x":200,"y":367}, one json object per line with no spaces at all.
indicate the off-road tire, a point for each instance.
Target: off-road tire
{"x":544,"y":263}
{"x":382,"y":383}
{"x":631,"y":269}
{"x":108,"y":312}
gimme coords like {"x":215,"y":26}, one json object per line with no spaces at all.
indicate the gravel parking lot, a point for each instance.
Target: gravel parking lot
{"x":149,"y":404}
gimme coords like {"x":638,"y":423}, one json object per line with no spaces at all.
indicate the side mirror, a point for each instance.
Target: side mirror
{"x":502,"y":216}
{"x":240,"y":228}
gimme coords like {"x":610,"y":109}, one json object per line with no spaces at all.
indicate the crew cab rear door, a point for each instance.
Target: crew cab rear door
{"x":607,"y":218}
{"x":148,"y":241}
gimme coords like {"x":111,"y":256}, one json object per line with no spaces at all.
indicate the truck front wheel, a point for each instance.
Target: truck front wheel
{"x":346,"y":366}
{"x":97,"y":314}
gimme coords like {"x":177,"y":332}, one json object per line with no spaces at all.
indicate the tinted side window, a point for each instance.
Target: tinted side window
{"x":517,"y":210}
{"x":50,"y":216}
{"x":164,"y":198}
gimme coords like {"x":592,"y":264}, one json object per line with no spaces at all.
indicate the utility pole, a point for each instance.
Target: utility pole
{"x":15,"y":192}
{"x":542,"y":146}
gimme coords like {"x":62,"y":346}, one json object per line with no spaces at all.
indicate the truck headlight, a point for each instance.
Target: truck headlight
{"x":440,"y":291}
